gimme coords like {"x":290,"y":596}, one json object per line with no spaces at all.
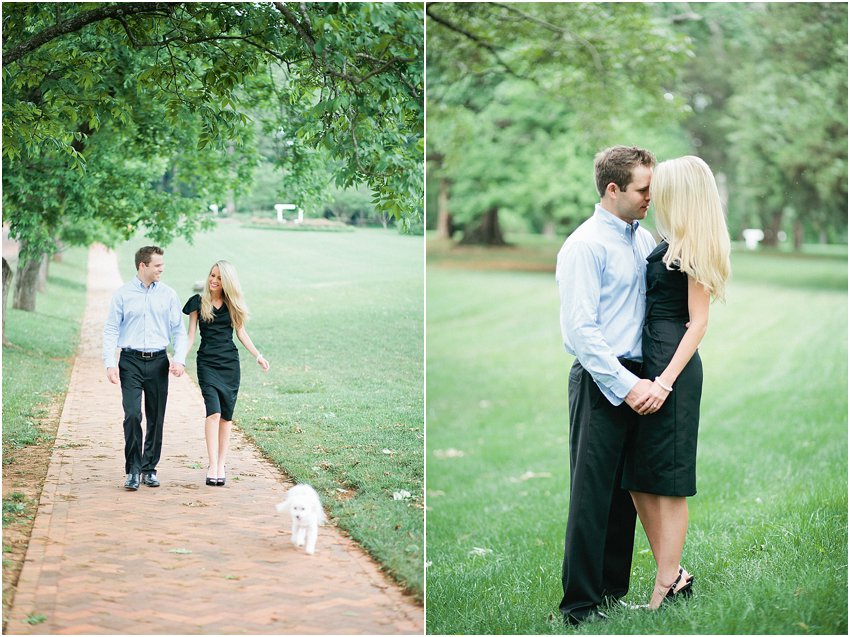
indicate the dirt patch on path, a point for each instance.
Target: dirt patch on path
{"x":23,"y":481}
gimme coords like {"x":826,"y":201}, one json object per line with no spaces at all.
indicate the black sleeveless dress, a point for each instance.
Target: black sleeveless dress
{"x":218,"y":360}
{"x":662,"y":447}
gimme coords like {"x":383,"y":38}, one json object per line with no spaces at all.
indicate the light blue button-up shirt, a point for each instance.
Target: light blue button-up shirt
{"x":601,"y":276}
{"x":145,"y":319}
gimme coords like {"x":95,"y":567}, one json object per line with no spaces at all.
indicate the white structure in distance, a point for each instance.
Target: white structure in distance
{"x":752,"y":236}
{"x":280,"y":207}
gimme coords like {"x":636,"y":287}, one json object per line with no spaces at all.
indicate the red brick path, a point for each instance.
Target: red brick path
{"x":183,"y":558}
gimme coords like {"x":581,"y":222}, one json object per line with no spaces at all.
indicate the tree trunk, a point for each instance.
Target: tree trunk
{"x":230,"y":204}
{"x":26,"y":283}
{"x":7,"y":280}
{"x":57,"y":256}
{"x":550,"y":228}
{"x":798,"y":235}
{"x":487,"y":232}
{"x":42,"y":274}
{"x":771,"y":230}
{"x":444,"y":217}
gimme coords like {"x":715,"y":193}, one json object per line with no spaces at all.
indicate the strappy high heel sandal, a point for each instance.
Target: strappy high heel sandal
{"x":688,"y":589}
{"x":671,"y":593}
{"x":668,"y":596}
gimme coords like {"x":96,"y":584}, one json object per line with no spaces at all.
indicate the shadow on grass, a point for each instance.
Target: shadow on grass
{"x":67,"y":284}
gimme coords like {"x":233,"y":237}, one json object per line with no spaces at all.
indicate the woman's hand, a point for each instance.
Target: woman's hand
{"x":654,"y":400}
{"x":262,"y":362}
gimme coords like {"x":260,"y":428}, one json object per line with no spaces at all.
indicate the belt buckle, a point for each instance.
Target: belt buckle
{"x":147,"y":354}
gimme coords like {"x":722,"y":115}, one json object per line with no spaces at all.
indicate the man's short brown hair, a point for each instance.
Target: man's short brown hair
{"x":615,"y":165}
{"x":143,"y":255}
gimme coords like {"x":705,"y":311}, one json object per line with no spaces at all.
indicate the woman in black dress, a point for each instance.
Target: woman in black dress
{"x":218,"y":311}
{"x":688,"y":268}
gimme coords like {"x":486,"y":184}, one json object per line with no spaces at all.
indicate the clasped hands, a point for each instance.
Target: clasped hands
{"x":646,"y":397}
{"x":175,"y":368}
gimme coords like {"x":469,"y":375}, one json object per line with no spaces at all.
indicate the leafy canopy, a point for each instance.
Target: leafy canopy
{"x":125,"y":115}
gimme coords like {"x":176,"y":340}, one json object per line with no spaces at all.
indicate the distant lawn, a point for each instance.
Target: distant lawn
{"x":768,"y":529}
{"x":340,"y":318}
{"x":536,"y":253}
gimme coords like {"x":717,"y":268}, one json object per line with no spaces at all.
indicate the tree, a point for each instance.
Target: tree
{"x":146,"y":98}
{"x":522,"y":95}
{"x":790,"y":153}
{"x":7,"y":279}
{"x":767,"y":91}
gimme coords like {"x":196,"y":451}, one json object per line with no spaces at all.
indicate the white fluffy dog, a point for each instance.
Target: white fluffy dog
{"x":307,"y":513}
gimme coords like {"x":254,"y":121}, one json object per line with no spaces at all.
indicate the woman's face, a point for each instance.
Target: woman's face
{"x":215,"y":279}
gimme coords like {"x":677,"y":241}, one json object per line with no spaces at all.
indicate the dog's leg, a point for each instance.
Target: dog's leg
{"x":294,"y":535}
{"x":311,"y":537}
{"x":302,"y":532}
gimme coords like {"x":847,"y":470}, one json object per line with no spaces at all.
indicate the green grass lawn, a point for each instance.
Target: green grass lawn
{"x":340,"y":318}
{"x":768,"y":528}
{"x":37,"y":367}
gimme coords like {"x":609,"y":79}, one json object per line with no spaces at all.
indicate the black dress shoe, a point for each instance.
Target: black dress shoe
{"x":150,"y":480}
{"x":132,"y":483}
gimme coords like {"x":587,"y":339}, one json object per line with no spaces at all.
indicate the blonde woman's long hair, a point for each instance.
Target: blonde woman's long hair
{"x":231,"y":292}
{"x":690,"y":217}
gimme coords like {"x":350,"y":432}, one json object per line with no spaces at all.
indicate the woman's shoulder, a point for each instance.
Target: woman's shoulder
{"x":658,"y":253}
{"x":193,"y":304}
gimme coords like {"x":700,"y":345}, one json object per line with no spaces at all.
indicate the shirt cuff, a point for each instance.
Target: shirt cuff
{"x":621,"y":387}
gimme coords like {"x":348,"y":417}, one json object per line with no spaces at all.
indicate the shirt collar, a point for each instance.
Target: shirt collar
{"x":612,"y":221}
{"x":138,"y":283}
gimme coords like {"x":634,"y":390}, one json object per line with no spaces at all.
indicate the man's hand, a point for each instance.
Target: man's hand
{"x":177,"y":369}
{"x":112,"y":375}
{"x":639,"y":395}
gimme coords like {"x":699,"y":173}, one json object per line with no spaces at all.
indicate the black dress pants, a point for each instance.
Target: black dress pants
{"x":140,"y":375}
{"x":601,"y":524}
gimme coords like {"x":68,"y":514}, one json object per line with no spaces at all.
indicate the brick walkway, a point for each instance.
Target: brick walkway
{"x":184,"y":558}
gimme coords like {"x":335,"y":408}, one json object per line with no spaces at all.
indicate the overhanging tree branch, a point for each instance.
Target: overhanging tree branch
{"x":71,"y":25}
{"x":597,"y":61}
{"x":304,"y":31}
{"x":477,"y":40}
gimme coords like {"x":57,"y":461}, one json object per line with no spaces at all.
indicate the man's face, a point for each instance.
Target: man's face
{"x":153,"y":270}
{"x":634,"y":200}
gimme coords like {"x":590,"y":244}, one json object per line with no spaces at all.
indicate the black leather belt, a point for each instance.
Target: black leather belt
{"x":635,"y":367}
{"x":145,"y":355}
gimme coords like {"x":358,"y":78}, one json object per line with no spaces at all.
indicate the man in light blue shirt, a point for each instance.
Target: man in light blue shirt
{"x":144,"y":317}
{"x":601,"y":280}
